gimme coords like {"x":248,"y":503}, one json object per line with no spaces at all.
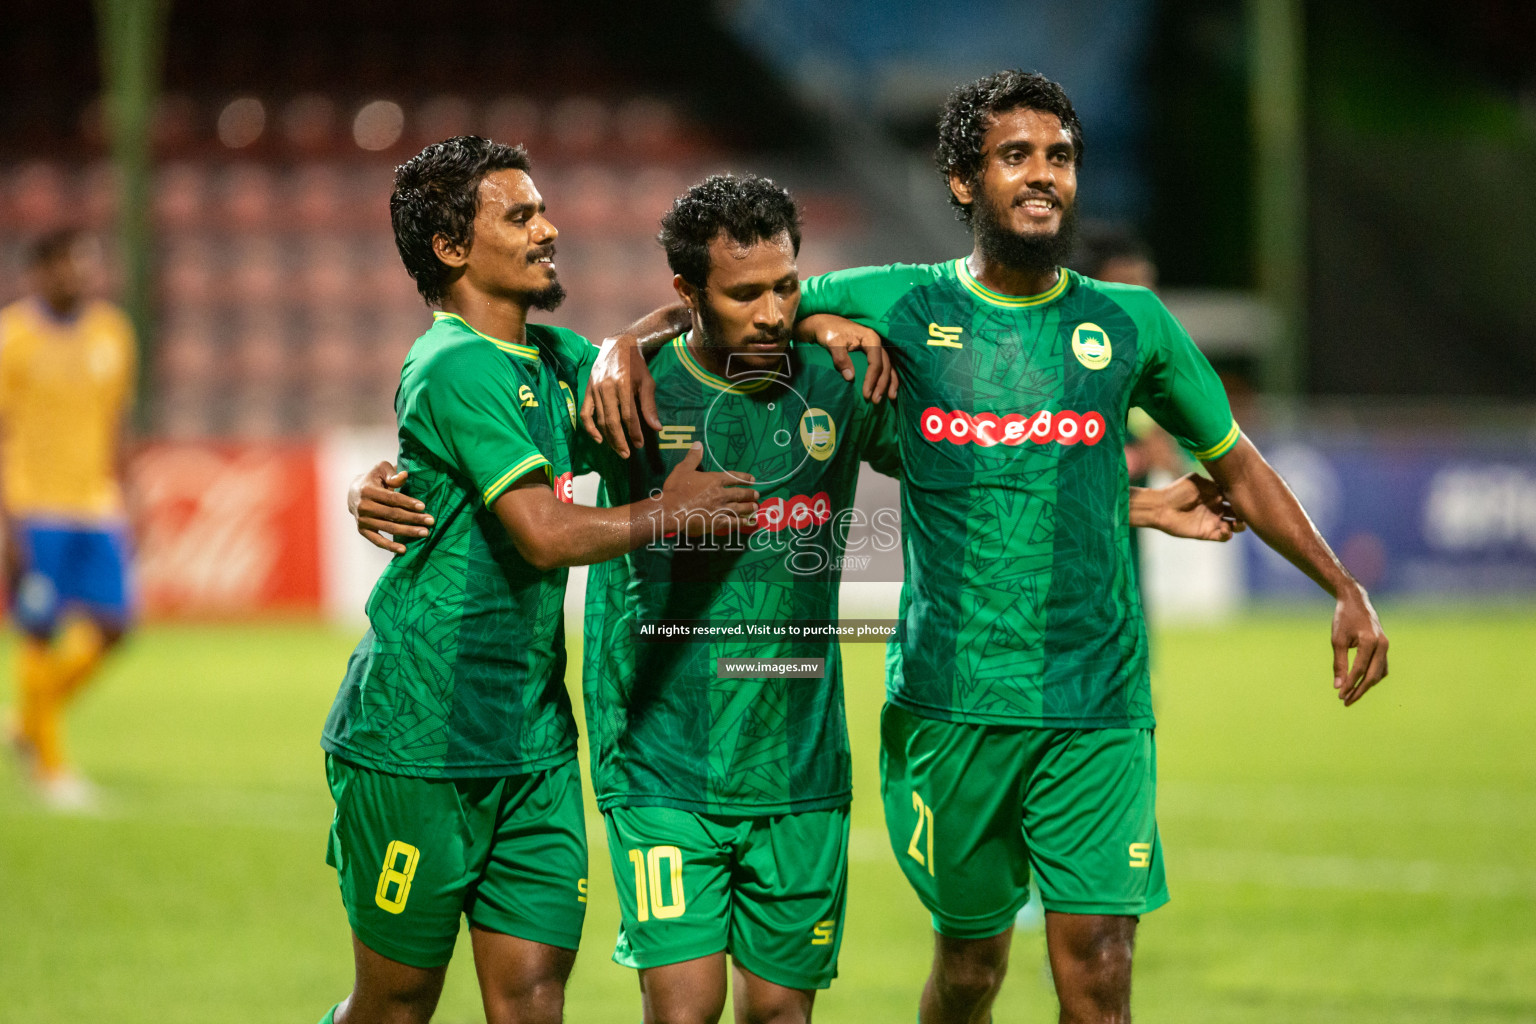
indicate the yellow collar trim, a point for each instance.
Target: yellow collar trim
{"x":981,"y":291}
{"x":719,"y":383}
{"x":526,"y":351}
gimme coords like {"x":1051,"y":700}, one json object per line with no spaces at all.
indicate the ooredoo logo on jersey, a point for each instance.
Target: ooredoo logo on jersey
{"x":986,"y":430}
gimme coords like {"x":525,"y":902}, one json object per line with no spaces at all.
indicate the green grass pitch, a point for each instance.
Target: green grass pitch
{"x":1370,"y":865}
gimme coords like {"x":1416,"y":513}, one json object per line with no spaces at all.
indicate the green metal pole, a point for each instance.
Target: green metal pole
{"x":1276,"y":97}
{"x":132,"y":35}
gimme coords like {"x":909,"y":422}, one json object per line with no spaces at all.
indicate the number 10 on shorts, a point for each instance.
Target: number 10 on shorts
{"x":650,"y":899}
{"x":924,"y":818}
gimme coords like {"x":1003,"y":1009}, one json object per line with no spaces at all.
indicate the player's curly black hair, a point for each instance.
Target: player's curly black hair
{"x":969,"y":112}
{"x":748,"y":209}
{"x":437,"y":192}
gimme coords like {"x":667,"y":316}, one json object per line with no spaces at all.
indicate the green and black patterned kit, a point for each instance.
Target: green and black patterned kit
{"x":1019,"y":603}
{"x":726,"y":798}
{"x":451,"y":746}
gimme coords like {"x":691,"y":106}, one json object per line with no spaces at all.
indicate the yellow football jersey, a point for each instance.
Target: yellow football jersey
{"x":64,"y":386}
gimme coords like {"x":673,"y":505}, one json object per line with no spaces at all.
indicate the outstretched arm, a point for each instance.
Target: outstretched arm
{"x":550,"y":533}
{"x":1261,"y":497}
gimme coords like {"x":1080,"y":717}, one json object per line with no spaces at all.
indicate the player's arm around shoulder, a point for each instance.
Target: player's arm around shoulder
{"x":620,"y":388}
{"x":550,"y":533}
{"x":1261,"y":497}
{"x":841,"y":338}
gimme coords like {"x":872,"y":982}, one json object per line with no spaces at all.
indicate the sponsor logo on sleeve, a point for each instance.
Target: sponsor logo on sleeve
{"x":987,"y":430}
{"x":565,"y":488}
{"x":1090,"y":344}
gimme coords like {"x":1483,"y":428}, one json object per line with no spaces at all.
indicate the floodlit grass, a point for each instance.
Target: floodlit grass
{"x":1366,"y":865}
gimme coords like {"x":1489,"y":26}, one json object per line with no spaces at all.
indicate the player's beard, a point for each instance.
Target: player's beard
{"x":712,"y":331}
{"x":551,"y":295}
{"x":547,"y":298}
{"x":1034,"y":254}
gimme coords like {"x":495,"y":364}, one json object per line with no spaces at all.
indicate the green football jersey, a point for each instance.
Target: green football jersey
{"x":665,"y":728}
{"x":463,"y":671}
{"x":1019,"y":603}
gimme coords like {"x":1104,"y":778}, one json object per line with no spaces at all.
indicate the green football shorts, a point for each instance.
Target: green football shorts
{"x":413,"y":854}
{"x":770,"y":891}
{"x":971,"y":809}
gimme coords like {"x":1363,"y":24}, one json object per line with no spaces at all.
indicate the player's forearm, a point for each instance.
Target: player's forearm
{"x":551,"y":534}
{"x":1146,"y":508}
{"x":656,"y":328}
{"x":1263,"y":500}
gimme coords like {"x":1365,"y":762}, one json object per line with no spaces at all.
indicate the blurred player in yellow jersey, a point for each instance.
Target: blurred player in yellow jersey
{"x":66,"y":382}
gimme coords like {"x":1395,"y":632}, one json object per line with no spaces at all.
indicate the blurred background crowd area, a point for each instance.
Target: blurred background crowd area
{"x":1339,"y":199}
{"x":280,"y":307}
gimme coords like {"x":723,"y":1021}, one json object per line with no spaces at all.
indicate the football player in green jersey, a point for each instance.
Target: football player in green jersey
{"x":1018,"y":733}
{"x":451,"y":747}
{"x":725,"y":798}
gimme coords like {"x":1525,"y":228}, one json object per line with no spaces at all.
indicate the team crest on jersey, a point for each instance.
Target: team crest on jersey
{"x":525,"y":396}
{"x":944,"y":337}
{"x":570,"y":401}
{"x":1090,"y":344}
{"x":818,"y":433}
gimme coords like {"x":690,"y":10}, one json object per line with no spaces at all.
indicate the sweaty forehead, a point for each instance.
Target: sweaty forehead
{"x":770,"y":258}
{"x":510,"y":187}
{"x":1036,"y":126}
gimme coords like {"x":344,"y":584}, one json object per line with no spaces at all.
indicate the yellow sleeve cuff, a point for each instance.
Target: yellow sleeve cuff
{"x":1221,"y":447}
{"x":524,"y":465}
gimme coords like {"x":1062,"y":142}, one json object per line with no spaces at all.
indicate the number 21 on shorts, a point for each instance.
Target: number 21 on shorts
{"x":650,"y":899}
{"x":923,"y":856}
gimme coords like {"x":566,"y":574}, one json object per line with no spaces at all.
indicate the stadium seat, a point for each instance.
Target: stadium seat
{"x":187,"y":273}
{"x":248,"y":197}
{"x":310,"y":124}
{"x":317,"y":198}
{"x":180,"y":195}
{"x":37,"y":197}
{"x":186,"y":359}
{"x":97,"y":193}
{"x":262,"y":359}
{"x":442,"y":117}
{"x":648,"y":128}
{"x":514,"y":120}
{"x":580,"y":127}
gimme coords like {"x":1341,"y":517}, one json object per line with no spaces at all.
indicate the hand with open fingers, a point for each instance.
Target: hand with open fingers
{"x":696,"y":503}
{"x":1355,"y":626}
{"x":1195,"y":507}
{"x":379,"y":507}
{"x":840,"y":337}
{"x":619,"y":392}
